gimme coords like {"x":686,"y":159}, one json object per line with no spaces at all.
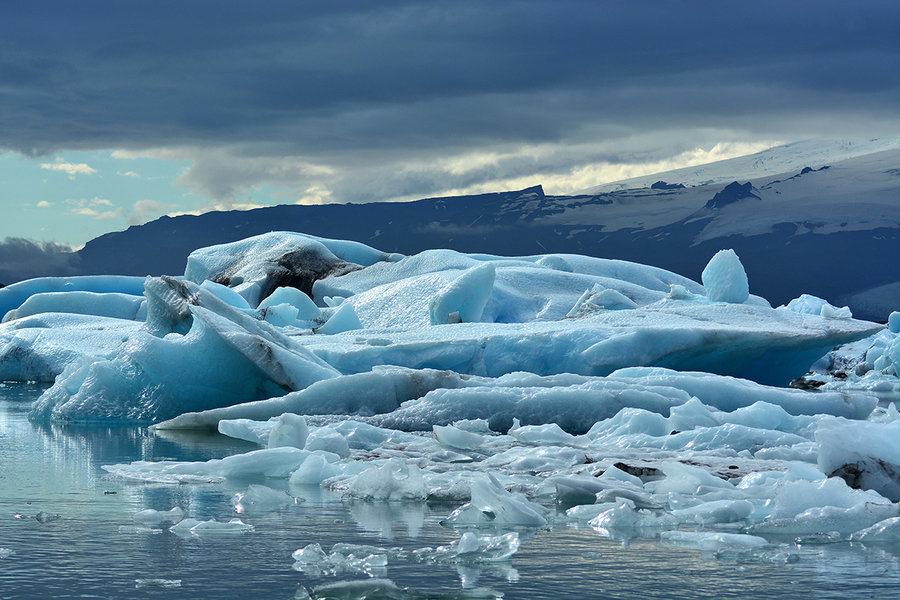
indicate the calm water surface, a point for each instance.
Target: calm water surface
{"x":47,"y":471}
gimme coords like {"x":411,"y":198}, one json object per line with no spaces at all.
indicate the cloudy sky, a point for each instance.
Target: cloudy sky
{"x":113,"y":113}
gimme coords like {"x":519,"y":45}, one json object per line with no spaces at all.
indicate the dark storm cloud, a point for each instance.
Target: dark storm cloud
{"x":23,"y":259}
{"x":323,"y":79}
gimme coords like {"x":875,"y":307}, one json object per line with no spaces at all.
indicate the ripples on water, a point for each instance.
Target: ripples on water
{"x":74,"y":548}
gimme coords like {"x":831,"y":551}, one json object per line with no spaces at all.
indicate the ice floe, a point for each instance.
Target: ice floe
{"x":525,"y":392}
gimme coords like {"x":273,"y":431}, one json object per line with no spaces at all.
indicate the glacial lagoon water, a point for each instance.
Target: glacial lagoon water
{"x":67,"y":531}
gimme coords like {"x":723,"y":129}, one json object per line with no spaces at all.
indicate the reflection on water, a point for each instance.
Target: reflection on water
{"x":47,"y":471}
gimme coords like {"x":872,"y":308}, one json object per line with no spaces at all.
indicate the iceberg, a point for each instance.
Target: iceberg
{"x":523,"y":392}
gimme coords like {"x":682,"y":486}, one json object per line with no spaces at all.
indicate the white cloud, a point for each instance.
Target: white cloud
{"x":97,"y":208}
{"x":44,"y":204}
{"x":127,"y":174}
{"x":71,"y":169}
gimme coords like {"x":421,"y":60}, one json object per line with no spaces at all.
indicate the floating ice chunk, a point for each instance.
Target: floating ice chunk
{"x":6,"y":553}
{"x":711,"y":541}
{"x":718,"y":511}
{"x":157,"y":583}
{"x":260,"y":499}
{"x":311,"y":554}
{"x":379,"y":391}
{"x":289,"y":430}
{"x":579,"y":489}
{"x":882,"y":531}
{"x":826,"y":519}
{"x":622,"y":519}
{"x":226,"y":357}
{"x":266,"y":463}
{"x":794,"y":497}
{"x":725,"y":279}
{"x":864,"y":454}
{"x":343,"y":558}
{"x":807,"y":304}
{"x":139,"y":530}
{"x":466,"y":296}
{"x":730,"y":393}
{"x":487,"y":548}
{"x":42,"y":347}
{"x":685,"y":479}
{"x":535,"y":460}
{"x":150,"y":517}
{"x":573,"y":407}
{"x":329,"y":440}
{"x":394,"y":480}
{"x":457,"y":438}
{"x":493,"y":506}
{"x":245,"y":429}
{"x":314,"y":470}
{"x":211,"y":528}
{"x":550,"y":433}
{"x":16,"y":294}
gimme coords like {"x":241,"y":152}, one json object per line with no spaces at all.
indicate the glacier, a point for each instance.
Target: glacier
{"x":529,"y":392}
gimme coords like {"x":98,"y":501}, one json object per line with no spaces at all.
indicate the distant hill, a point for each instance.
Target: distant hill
{"x":833,"y":232}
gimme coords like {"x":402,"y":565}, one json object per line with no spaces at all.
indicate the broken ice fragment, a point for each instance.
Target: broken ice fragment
{"x":150,"y":517}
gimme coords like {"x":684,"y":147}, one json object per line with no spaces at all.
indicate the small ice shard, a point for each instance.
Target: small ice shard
{"x":492,"y":505}
{"x":712,"y":541}
{"x":487,"y":548}
{"x":5,"y":553}
{"x":138,"y":530}
{"x":466,"y":295}
{"x":289,"y":430}
{"x":725,"y":279}
{"x":150,"y":517}
{"x":194,"y":527}
{"x":343,"y":558}
{"x":155,"y":582}
{"x":260,"y":498}
{"x":311,"y":554}
{"x":455,"y":437}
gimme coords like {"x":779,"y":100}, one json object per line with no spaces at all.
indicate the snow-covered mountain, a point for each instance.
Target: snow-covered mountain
{"x":773,"y":161}
{"x":828,"y":229}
